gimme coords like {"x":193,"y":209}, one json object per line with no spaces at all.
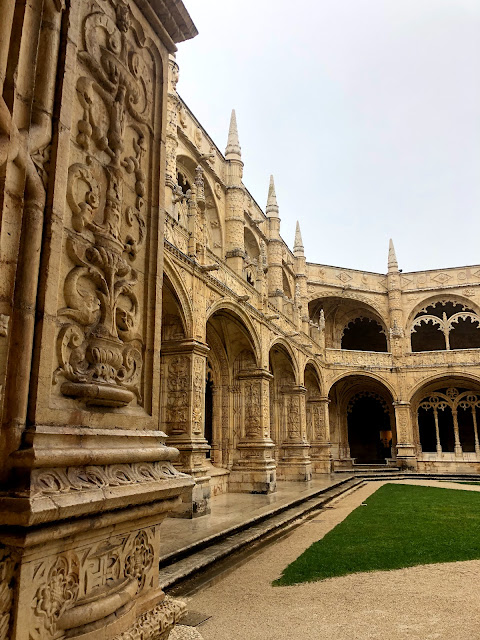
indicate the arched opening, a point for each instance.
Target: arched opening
{"x":445,"y":325}
{"x":448,"y":417}
{"x":364,"y":334}
{"x":252,"y":256}
{"x":369,"y":428}
{"x":173,"y":325}
{"x":283,"y":416}
{"x":232,"y":353}
{"x":186,"y":168}
{"x":349,"y":324}
{"x":362,"y":422}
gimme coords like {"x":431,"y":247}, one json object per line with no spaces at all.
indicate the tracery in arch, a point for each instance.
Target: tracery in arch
{"x":364,"y":334}
{"x":448,"y":421}
{"x":445,"y":325}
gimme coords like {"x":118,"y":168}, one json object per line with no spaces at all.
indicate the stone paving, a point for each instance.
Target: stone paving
{"x":231,"y":509}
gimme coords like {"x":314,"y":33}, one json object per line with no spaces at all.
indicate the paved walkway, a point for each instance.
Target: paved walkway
{"x":233,"y":508}
{"x":431,"y":602}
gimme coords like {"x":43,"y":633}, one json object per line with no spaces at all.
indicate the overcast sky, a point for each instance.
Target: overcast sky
{"x":367,"y":112}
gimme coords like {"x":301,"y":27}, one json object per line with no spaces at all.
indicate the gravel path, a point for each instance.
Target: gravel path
{"x":419,"y":603}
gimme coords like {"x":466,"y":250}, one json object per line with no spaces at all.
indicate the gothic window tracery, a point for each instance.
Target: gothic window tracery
{"x":364,"y":334}
{"x":448,"y":421}
{"x":445,"y":325}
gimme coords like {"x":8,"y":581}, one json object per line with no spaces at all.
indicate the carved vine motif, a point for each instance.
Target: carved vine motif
{"x":252,"y":409}
{"x":7,"y":573}
{"x":140,"y":559}
{"x":317,"y":417}
{"x":157,"y":623}
{"x":52,"y":481}
{"x":100,"y":353}
{"x":58,"y":592}
{"x":293,"y":417}
{"x":198,"y":394}
{"x":177,"y":395}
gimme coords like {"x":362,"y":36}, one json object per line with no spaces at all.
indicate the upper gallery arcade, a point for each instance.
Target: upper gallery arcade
{"x":277,"y":368}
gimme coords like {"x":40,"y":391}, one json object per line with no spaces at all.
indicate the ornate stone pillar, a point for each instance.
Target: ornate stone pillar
{"x":183,"y":417}
{"x":295,"y":463}
{"x":320,"y":446}
{"x":254,"y":469}
{"x":406,"y":452}
{"x":86,"y":476}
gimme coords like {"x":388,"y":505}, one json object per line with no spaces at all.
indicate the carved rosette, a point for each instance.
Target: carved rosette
{"x":59,"y":591}
{"x":140,"y":559}
{"x":100,"y":345}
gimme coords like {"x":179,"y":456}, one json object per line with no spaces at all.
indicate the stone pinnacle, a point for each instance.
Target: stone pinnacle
{"x":392,"y":258}
{"x":298,"y":249}
{"x":233,"y":150}
{"x":272,"y":206}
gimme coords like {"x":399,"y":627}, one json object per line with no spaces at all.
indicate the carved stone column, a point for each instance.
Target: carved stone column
{"x":406,"y":452}
{"x":254,"y":467}
{"x":320,"y":446}
{"x":86,"y":476}
{"x":295,"y":463}
{"x":183,"y":416}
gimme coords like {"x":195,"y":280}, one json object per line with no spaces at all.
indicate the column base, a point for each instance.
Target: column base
{"x":193,"y":461}
{"x":295,"y":463}
{"x":196,"y":502}
{"x":88,"y":578}
{"x":255,"y":470}
{"x":321,"y":457}
{"x":406,"y":457}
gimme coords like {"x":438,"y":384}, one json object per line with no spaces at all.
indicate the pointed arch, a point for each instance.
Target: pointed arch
{"x":180,"y":291}
{"x":279,"y":340}
{"x":237,"y":313}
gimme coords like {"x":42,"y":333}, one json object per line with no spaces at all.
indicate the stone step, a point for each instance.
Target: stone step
{"x":184,"y":564}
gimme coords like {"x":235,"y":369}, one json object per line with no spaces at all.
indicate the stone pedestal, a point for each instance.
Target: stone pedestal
{"x":183,"y":411}
{"x":295,"y":463}
{"x":86,"y":477}
{"x":254,"y":470}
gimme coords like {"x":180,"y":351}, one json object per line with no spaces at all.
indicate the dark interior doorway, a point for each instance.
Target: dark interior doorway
{"x":369,"y":430}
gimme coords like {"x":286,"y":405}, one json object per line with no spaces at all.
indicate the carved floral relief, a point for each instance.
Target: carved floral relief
{"x":100,"y":345}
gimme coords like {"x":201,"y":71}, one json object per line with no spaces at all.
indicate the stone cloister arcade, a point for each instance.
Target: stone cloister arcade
{"x":301,"y":368}
{"x":160,"y":343}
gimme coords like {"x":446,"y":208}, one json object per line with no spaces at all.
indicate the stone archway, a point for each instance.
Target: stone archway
{"x":362,"y":422}
{"x":240,"y":412}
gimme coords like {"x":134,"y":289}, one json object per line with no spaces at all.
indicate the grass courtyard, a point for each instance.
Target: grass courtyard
{"x":397,"y":526}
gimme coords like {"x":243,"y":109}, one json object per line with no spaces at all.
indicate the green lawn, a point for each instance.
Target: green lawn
{"x":401,"y":526}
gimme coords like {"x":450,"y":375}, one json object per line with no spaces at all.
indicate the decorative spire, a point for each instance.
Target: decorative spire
{"x":272,"y":206}
{"x":392,"y":258}
{"x":298,"y":249}
{"x":233,"y":150}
